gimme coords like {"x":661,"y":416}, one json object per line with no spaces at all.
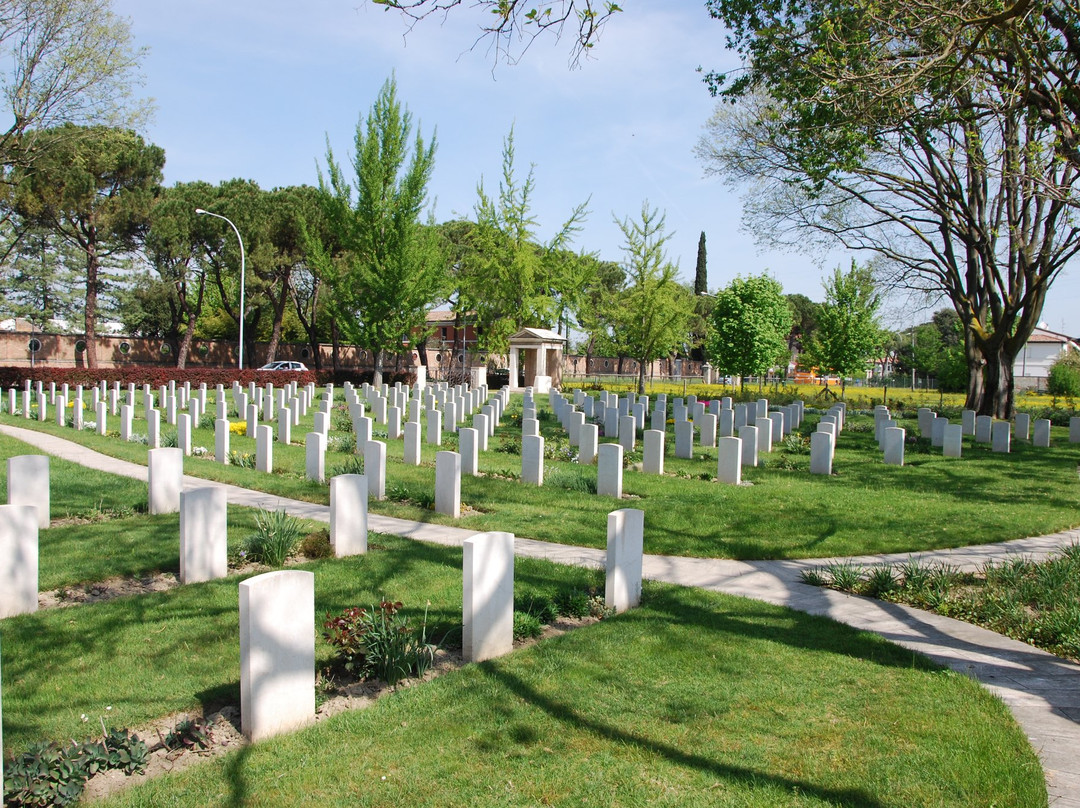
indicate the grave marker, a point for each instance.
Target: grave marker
{"x":18,"y":558}
{"x":609,"y":472}
{"x":165,"y":479}
{"x":448,"y":483}
{"x":204,"y":551}
{"x":348,"y":514}
{"x":277,"y":652}
{"x":625,"y":544}
{"x":487,"y":596}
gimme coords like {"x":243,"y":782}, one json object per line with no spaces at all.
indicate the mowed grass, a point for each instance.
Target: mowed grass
{"x":783,"y":511}
{"x":694,"y":699}
{"x":100,"y":528}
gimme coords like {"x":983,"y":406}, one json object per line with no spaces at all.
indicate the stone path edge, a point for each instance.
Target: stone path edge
{"x":1041,"y":690}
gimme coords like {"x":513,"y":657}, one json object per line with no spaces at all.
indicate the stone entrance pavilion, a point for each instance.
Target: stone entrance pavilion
{"x":543,"y":352}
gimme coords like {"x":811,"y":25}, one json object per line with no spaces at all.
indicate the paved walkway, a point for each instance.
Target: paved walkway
{"x":1042,"y":690}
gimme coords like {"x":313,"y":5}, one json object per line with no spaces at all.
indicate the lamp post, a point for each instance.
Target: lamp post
{"x":202,"y":212}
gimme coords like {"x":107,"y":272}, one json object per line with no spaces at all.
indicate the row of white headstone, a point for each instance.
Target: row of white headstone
{"x":277,"y":611}
{"x":745,"y":431}
{"x":203,"y":522}
{"x":277,"y":614}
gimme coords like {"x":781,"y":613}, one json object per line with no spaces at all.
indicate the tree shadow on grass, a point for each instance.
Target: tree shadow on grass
{"x":624,"y":737}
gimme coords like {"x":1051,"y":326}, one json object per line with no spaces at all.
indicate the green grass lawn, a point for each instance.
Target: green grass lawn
{"x":695,"y":699}
{"x":784,"y":512}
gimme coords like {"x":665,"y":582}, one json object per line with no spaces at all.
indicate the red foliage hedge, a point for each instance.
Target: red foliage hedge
{"x":157,"y":376}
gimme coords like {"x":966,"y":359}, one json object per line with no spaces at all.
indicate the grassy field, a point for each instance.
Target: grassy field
{"x":782,"y":512}
{"x":695,"y":699}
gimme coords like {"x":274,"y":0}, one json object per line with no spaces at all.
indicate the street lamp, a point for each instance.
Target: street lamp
{"x":202,"y":212}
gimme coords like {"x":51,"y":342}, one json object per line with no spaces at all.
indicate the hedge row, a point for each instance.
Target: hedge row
{"x":157,"y":376}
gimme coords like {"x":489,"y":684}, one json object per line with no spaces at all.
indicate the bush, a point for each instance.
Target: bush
{"x":1064,"y":376}
{"x":380,"y":643}
{"x":276,"y":538}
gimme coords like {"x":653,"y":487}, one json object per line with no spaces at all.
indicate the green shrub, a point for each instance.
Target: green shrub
{"x":275,"y":539}
{"x":1063,"y":380}
{"x":527,"y":626}
{"x":379,"y":642}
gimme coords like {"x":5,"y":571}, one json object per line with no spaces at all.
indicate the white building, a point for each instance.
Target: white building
{"x":1032,"y":365}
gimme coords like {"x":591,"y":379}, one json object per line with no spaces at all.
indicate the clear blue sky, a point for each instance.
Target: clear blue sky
{"x":253,"y":88}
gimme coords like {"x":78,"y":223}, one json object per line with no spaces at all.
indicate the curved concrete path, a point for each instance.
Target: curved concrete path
{"x":1043,"y":691}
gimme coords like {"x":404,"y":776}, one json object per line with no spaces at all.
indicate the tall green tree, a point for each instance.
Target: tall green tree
{"x":848,"y":335}
{"x":65,"y":61}
{"x":652,"y":313}
{"x":42,"y":281}
{"x":749,"y":329}
{"x":702,"y":303}
{"x":505,"y":276}
{"x":388,"y":272}
{"x":94,"y":188}
{"x":804,"y":317}
{"x":961,"y":193}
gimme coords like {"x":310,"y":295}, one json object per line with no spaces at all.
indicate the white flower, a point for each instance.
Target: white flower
{"x":84,"y":718}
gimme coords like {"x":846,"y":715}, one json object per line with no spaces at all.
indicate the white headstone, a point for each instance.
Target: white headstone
{"x":18,"y":559}
{"x":362,"y":427}
{"x":821,"y":452}
{"x":625,"y":546}
{"x":1041,"y":433}
{"x":468,"y":446}
{"x":653,"y":452}
{"x":448,"y":483}
{"x":277,"y":652}
{"x":1023,"y":426}
{"x":952,"y":445}
{"x":375,"y":469}
{"x":165,"y":479}
{"x":627,"y":432}
{"x":487,"y":596}
{"x":348,"y":514}
{"x":183,"y":433}
{"x":1000,"y":436}
{"x":204,"y":551}
{"x":315,"y":456}
{"x":284,"y":426}
{"x":729,"y":454}
{"x":434,"y":427}
{"x":28,"y":484}
{"x":967,"y":422}
{"x":589,"y":440}
{"x":480,"y":424}
{"x":684,"y":439}
{"x":983,"y":427}
{"x":532,"y":459}
{"x":894,"y":446}
{"x":748,"y":435}
{"x":221,"y":440}
{"x":609,"y":471}
{"x":264,"y":448}
{"x":412,"y":444}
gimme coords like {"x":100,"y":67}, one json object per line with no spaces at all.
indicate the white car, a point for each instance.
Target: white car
{"x":296,"y":367}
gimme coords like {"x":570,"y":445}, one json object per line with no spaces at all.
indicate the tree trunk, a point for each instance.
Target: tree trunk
{"x":376,"y":379}
{"x":185,"y":342}
{"x":641,"y":377}
{"x":335,"y":342}
{"x":997,"y":394}
{"x":975,"y":364}
{"x":90,"y":314}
